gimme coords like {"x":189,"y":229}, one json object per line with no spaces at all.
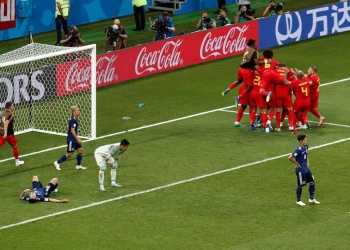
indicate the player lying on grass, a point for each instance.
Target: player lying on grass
{"x":41,"y":193}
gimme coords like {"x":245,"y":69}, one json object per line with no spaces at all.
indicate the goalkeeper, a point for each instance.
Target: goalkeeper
{"x":110,"y":154}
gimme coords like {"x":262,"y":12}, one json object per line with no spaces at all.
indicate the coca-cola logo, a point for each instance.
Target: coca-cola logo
{"x":233,"y":41}
{"x":167,"y":57}
{"x":105,"y":72}
{"x":78,"y":76}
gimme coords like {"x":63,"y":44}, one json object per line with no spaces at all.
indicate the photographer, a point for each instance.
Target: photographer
{"x":273,"y":9}
{"x":163,"y":26}
{"x":222,"y":20}
{"x":244,"y":15}
{"x":115,"y":36}
{"x":205,"y":22}
{"x":73,"y":39}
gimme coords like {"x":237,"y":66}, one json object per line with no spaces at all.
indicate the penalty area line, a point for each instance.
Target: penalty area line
{"x":163,"y":187}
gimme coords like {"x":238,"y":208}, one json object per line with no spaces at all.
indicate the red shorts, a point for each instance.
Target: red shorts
{"x":11,"y":139}
{"x":246,"y":75}
{"x":284,"y":102}
{"x":313,"y":103}
{"x":301,"y":105}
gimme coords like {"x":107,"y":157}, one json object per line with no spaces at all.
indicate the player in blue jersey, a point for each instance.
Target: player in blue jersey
{"x":41,"y":193}
{"x":300,"y":158}
{"x":73,"y":141}
{"x":110,"y":154}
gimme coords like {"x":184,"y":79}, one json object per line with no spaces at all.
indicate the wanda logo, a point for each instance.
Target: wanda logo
{"x":167,"y":57}
{"x":233,"y":41}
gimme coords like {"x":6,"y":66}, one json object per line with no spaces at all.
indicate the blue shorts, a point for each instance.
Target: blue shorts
{"x":304,"y":178}
{"x":72,"y":146}
{"x":47,"y":190}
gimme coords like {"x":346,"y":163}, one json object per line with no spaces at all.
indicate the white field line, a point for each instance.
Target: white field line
{"x":123,"y":132}
{"x":163,"y":187}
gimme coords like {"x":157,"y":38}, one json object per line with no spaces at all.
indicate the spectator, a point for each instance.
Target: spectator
{"x":273,"y":9}
{"x":205,"y":22}
{"x":222,"y":20}
{"x":243,"y":15}
{"x":222,"y":5}
{"x":245,"y":3}
{"x":73,"y":38}
{"x":139,"y":14}
{"x":163,"y":26}
{"x":61,"y":16}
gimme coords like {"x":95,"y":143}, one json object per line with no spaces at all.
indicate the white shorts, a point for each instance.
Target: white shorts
{"x":100,"y":159}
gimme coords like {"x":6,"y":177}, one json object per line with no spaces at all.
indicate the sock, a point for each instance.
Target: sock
{"x":79,"y":158}
{"x":315,"y":113}
{"x":272,"y":113}
{"x":290,"y":117}
{"x":263,"y":119}
{"x":101,"y":177}
{"x":15,"y":153}
{"x":252,"y":113}
{"x":278,"y":119}
{"x":284,"y":113}
{"x":312,"y":191}
{"x":240,"y":114}
{"x":63,"y":158}
{"x":299,"y":191}
{"x":113,"y":175}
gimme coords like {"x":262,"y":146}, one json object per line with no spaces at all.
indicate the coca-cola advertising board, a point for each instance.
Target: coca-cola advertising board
{"x":156,"y":57}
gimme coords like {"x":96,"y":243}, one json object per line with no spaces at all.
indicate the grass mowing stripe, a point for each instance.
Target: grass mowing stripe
{"x":165,"y":186}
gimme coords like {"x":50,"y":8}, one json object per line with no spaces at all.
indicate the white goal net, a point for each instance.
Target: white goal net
{"x":44,"y":81}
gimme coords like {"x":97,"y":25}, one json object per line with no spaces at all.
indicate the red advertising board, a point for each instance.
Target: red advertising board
{"x":160,"y":56}
{"x":7,"y":14}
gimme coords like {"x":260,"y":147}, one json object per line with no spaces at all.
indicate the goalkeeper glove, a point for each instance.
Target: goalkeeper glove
{"x":115,"y":164}
{"x":103,"y":166}
{"x":225,"y":92}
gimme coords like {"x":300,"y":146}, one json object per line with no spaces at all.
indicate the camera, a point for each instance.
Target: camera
{"x":207,"y":19}
{"x":74,"y":37}
{"x":250,"y":12}
{"x":112,"y":33}
{"x":222,"y":18}
{"x":160,"y":28}
{"x":277,"y":7}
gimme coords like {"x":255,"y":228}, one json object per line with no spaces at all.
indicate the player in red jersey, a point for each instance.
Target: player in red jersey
{"x":246,"y":68}
{"x":301,"y":90}
{"x":283,"y":97}
{"x":314,"y":81}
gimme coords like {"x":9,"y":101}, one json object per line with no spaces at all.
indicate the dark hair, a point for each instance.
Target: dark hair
{"x":268,"y":53}
{"x":32,"y":200}
{"x":73,"y":27}
{"x":301,"y":137}
{"x":251,"y":42}
{"x":125,"y":142}
{"x":282,"y":64}
{"x":165,"y":14}
{"x":314,"y":68}
{"x":8,"y":104}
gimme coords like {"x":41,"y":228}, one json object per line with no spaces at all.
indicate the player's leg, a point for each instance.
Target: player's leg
{"x":51,"y":187}
{"x":102,"y":166}
{"x":79,"y":149}
{"x":35,"y":182}
{"x":113,"y":173}
{"x":300,"y":183}
{"x":12,"y":140}
{"x":70,"y":151}
{"x":311,"y":180}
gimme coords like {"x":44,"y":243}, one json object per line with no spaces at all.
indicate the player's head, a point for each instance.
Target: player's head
{"x":312,"y":69}
{"x":302,"y":140}
{"x":124,"y":144}
{"x":9,"y":106}
{"x":282,"y":64}
{"x":299,"y":74}
{"x":75,"y":111}
{"x":268,"y":53}
{"x":251,"y":43}
{"x":32,"y":198}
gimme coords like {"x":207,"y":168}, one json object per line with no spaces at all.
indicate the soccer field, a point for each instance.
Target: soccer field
{"x":190,"y":179}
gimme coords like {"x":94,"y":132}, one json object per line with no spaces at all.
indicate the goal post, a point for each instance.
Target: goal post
{"x":44,"y":82}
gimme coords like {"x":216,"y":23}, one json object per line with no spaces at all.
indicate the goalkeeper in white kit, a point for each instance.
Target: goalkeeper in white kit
{"x":110,"y":154}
